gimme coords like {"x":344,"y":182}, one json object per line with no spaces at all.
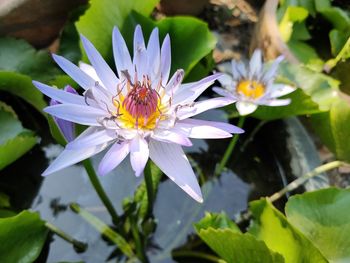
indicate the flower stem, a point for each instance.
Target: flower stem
{"x":195,"y":254}
{"x":229,"y":149}
{"x":78,"y":245}
{"x":149,"y":188}
{"x":100,"y":191}
{"x":301,"y":180}
{"x":104,"y":229}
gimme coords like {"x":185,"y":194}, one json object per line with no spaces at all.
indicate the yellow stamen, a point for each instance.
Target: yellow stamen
{"x":251,"y":89}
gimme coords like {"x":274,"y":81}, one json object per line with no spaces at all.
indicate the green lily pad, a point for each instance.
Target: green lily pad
{"x":22,"y":237}
{"x":272,"y":227}
{"x":323,"y":217}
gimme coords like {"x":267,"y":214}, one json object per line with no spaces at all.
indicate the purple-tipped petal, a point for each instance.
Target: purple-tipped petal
{"x":139,"y":153}
{"x":171,"y":159}
{"x":270,"y":74}
{"x":84,"y":80}
{"x":70,"y":157}
{"x":103,"y":71}
{"x":115,"y":155}
{"x":275,"y":102}
{"x":175,"y":82}
{"x":140,"y":53}
{"x":225,"y":93}
{"x":96,"y":138}
{"x":165,"y":58}
{"x":189,"y":92}
{"x":121,"y":54}
{"x":153,"y":55}
{"x":84,"y":115}
{"x":59,"y":95}
{"x":171,"y":137}
{"x":200,"y":129}
{"x":201,"y":106}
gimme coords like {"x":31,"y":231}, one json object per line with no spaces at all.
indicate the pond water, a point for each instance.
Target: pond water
{"x":278,"y":153}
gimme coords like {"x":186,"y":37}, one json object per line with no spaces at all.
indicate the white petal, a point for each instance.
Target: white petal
{"x":165,"y":60}
{"x":187,"y":93}
{"x":59,"y":95}
{"x":139,"y":153}
{"x":200,"y":129}
{"x":103,"y":71}
{"x":121,"y":54}
{"x":278,"y":90}
{"x":171,"y":159}
{"x":171,"y":137}
{"x":241,"y":69}
{"x":225,"y":80}
{"x":140,"y":54}
{"x":270,"y":74}
{"x":225,"y":93}
{"x":175,"y":82}
{"x":202,"y":106}
{"x":255,"y":64}
{"x":245,"y":108}
{"x":70,"y":157}
{"x":88,"y":69}
{"x":115,"y":155}
{"x":275,"y":102}
{"x":84,"y":80}
{"x":96,"y":138}
{"x":153,"y":55}
{"x":84,"y":115}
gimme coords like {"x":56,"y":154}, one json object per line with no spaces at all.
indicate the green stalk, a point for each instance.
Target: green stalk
{"x":229,"y":149}
{"x":301,"y":180}
{"x":104,"y":229}
{"x":149,"y":188}
{"x":100,"y":191}
{"x":78,"y":245}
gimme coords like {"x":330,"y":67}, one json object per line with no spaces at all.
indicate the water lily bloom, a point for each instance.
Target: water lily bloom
{"x":137,"y":111}
{"x":67,"y":128}
{"x":252,"y":85}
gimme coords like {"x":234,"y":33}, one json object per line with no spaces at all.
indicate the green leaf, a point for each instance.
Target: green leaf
{"x":226,"y":239}
{"x":338,"y":41}
{"x":191,"y":39}
{"x":98,"y":21}
{"x":4,"y":200}
{"x":22,"y":237}
{"x":316,"y":93}
{"x":323,"y":217}
{"x":304,"y":52}
{"x":333,"y":128}
{"x":342,"y":55}
{"x":339,"y":18}
{"x":272,"y":227}
{"x":19,"y":56}
{"x":217,"y":221}
{"x":292,"y":14}
{"x":21,"y":85}
{"x":14,"y":139}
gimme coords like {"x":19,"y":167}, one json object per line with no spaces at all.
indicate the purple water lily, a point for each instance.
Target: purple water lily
{"x":138,"y":111}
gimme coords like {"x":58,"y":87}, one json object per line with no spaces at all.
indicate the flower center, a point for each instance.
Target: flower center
{"x":141,"y":107}
{"x":251,"y":89}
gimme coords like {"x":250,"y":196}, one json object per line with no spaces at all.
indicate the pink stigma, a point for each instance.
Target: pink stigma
{"x":142,"y":100}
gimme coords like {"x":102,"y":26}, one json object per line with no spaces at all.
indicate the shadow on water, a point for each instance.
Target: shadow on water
{"x":276,"y":155}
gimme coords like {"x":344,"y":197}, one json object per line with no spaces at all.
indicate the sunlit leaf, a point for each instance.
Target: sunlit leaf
{"x":323,"y":217}
{"x":272,"y":227}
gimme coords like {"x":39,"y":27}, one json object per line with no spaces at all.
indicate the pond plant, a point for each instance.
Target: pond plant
{"x":132,"y":81}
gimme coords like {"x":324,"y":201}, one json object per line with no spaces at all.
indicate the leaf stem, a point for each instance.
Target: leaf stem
{"x":301,"y":180}
{"x":229,"y":149}
{"x":104,"y":229}
{"x":100,"y":191}
{"x":78,"y":245}
{"x":195,"y":254}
